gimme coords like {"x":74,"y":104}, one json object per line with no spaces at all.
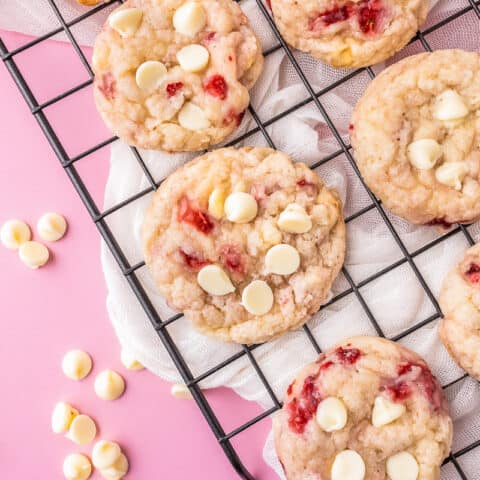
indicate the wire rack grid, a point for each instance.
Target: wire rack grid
{"x":130,"y":271}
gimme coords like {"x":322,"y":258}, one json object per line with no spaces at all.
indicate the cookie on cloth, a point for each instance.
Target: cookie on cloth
{"x":245,"y":242}
{"x":349,"y":33}
{"x":174,"y":75}
{"x":460,"y":303}
{"x":416,"y":137}
{"x":367,"y":409}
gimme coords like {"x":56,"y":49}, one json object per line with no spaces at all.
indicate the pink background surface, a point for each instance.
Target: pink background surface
{"x":46,"y":312}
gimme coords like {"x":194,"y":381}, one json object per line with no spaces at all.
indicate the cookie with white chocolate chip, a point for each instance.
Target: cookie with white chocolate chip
{"x":460,"y":303}
{"x":174,"y":75}
{"x":416,"y":137}
{"x":349,"y":33}
{"x":367,"y":409}
{"x":245,"y":242}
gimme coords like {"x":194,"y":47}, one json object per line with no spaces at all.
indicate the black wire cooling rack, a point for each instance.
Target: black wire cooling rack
{"x":130,"y":271}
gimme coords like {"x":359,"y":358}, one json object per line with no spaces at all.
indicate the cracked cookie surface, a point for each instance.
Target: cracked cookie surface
{"x":460,"y":303}
{"x":416,"y":137}
{"x":185,"y":230}
{"x":393,"y":407}
{"x":349,"y":33}
{"x":196,"y":97}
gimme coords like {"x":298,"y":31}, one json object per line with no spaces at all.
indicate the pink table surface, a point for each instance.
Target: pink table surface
{"x":44,"y":313}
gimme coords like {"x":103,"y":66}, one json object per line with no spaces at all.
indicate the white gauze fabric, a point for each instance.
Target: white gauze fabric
{"x":396,"y":300}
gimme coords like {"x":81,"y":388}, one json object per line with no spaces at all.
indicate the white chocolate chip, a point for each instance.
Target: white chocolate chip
{"x":150,"y":75}
{"x":109,"y":385}
{"x":129,"y":361}
{"x":240,"y":207}
{"x":116,"y":471}
{"x":214,"y":280}
{"x":77,"y":467}
{"x":105,"y":454}
{"x":294,"y":219}
{"x":193,"y":117}
{"x":62,"y":417}
{"x":257,"y":297}
{"x":193,"y":58}
{"x":331,"y":414}
{"x":33,"y":254}
{"x":51,"y":227}
{"x":402,"y":466}
{"x":385,"y":412}
{"x":451,"y":174}
{"x":348,"y":465}
{"x":126,"y":21}
{"x":14,"y":233}
{"x":450,"y":106}
{"x":215,"y":203}
{"x":189,"y":19}
{"x":282,"y":259}
{"x":424,"y":153}
{"x":180,"y":391}
{"x":76,"y":364}
{"x":82,"y":430}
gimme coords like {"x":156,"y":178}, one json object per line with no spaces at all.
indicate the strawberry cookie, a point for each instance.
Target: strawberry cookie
{"x":245,"y":242}
{"x":416,"y":137}
{"x":174,"y":75}
{"x":366,"y":409}
{"x":460,"y":303}
{"x":349,"y":33}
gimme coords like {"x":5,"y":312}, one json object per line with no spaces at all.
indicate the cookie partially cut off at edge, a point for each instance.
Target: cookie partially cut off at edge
{"x":175,"y":81}
{"x":187,"y":228}
{"x":416,"y":137}
{"x":386,"y":402}
{"x":460,"y":303}
{"x":349,"y":33}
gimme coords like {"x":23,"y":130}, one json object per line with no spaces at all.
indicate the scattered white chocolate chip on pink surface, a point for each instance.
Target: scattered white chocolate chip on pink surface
{"x":331,"y":414}
{"x":62,"y":417}
{"x":76,"y":364}
{"x":129,"y":361}
{"x":402,"y":466}
{"x":109,"y":385}
{"x":214,"y":280}
{"x":126,"y":21}
{"x":51,"y":226}
{"x":189,"y":19}
{"x":77,"y":467}
{"x":424,"y":154}
{"x":240,"y":207}
{"x":192,"y":117}
{"x":282,"y":259}
{"x":179,"y":390}
{"x":294,"y":219}
{"x":150,"y":75}
{"x":348,"y":465}
{"x":385,"y":411}
{"x":257,"y":297}
{"x":193,"y":58}
{"x":82,"y":430}
{"x":33,"y":254}
{"x":105,"y":453}
{"x":117,"y":470}
{"x":14,"y":233}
